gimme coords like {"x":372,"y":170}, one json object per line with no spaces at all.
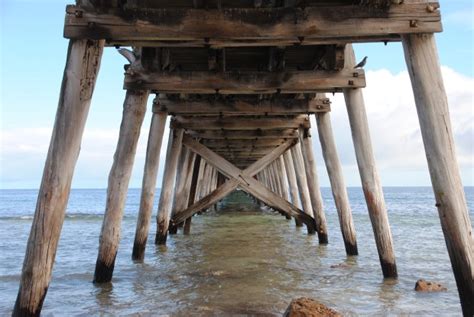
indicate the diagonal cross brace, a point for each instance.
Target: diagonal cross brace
{"x":244,"y":179}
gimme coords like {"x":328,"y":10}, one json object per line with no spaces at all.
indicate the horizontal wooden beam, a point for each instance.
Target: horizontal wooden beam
{"x":238,"y":106}
{"x":240,"y":123}
{"x":238,"y":144}
{"x":240,"y":134}
{"x":324,"y":24}
{"x":245,"y":82}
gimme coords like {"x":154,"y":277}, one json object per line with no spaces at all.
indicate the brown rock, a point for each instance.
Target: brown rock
{"x":307,"y":307}
{"x":426,"y":286}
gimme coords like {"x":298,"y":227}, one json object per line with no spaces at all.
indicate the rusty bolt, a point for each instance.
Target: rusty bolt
{"x":91,"y":24}
{"x":355,"y":74}
{"x":351,"y":83}
{"x":78,"y":14}
{"x":413,"y":23}
{"x":430,"y":8}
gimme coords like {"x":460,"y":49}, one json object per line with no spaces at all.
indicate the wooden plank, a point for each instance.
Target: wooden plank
{"x":80,"y":73}
{"x":239,"y":144}
{"x":150,"y":173}
{"x":134,"y":109}
{"x":248,"y":82}
{"x":243,"y":134}
{"x":328,"y":24}
{"x":433,"y":113}
{"x":167,"y":187}
{"x":241,"y":107}
{"x":240,"y":123}
{"x":336,"y":178}
{"x":369,"y":176}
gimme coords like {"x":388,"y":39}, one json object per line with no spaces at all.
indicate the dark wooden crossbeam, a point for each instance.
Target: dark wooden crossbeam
{"x":245,"y":82}
{"x":240,"y":123}
{"x":260,"y":26}
{"x":241,"y":134}
{"x":241,"y":106}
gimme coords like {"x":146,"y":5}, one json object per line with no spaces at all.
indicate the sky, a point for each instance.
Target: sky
{"x":33,"y":54}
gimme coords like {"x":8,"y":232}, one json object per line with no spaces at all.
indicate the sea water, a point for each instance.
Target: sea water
{"x":239,"y":260}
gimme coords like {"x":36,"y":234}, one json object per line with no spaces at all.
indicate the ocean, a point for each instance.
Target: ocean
{"x":240,"y":260}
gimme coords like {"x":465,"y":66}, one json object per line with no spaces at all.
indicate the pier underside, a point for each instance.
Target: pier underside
{"x":240,"y":80}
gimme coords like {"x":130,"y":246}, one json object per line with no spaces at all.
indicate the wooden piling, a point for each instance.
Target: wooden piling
{"x":80,"y":73}
{"x":134,"y":109}
{"x":282,"y":175}
{"x":179,"y":201}
{"x":292,"y":182}
{"x":336,"y":178}
{"x":313,"y":185}
{"x":301,"y":179}
{"x":152,"y":162}
{"x":192,"y":191}
{"x":368,"y":173}
{"x":433,"y":113}
{"x":167,"y":187}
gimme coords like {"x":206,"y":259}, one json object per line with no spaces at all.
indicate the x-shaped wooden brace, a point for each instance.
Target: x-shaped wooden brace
{"x":246,"y":181}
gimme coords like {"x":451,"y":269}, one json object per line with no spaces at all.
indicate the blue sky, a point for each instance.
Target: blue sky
{"x":32,"y":61}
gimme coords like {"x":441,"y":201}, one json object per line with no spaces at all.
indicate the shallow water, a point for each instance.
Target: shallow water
{"x":240,"y":260}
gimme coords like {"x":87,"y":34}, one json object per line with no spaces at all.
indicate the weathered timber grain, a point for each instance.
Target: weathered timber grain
{"x":292,"y":182}
{"x":152,"y":162}
{"x":313,"y":185}
{"x":368,"y":173}
{"x":257,"y":107}
{"x":167,"y":187}
{"x":192,"y":192}
{"x":244,"y":82}
{"x":134,"y":109}
{"x":239,"y":123}
{"x":80,"y":73}
{"x":179,"y":201}
{"x":296,"y":25}
{"x":336,"y":178}
{"x":433,"y":113}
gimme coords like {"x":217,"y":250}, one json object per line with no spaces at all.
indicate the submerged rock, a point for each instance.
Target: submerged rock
{"x":426,"y":286}
{"x":342,"y":265}
{"x":308,"y":307}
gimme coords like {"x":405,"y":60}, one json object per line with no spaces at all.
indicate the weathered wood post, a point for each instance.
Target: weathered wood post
{"x":282,"y":174}
{"x":301,"y":179}
{"x":152,"y":162}
{"x":336,"y":178}
{"x":134,"y":109}
{"x":167,"y":187}
{"x":313,"y":185}
{"x":291,"y":175}
{"x":80,"y":73}
{"x":368,"y":174}
{"x":179,"y":199}
{"x":432,"y":106}
{"x":192,"y":191}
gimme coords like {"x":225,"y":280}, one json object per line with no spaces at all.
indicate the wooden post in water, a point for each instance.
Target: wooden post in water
{"x":152,"y":162}
{"x":282,"y":174}
{"x":134,"y":109}
{"x":301,"y":179}
{"x":368,"y":174}
{"x":291,"y":175}
{"x":313,"y":185}
{"x":433,"y":113}
{"x":80,"y":73}
{"x":336,"y":178}
{"x":179,"y":200}
{"x":192,"y":191}
{"x":167,"y":187}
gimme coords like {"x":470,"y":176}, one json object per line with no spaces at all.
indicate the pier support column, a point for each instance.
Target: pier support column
{"x":80,"y":73}
{"x":368,"y":174}
{"x":134,"y":109}
{"x":179,"y":199}
{"x":167,"y":188}
{"x":336,"y":178}
{"x":301,"y":179}
{"x":435,"y":123}
{"x":313,"y":185}
{"x":282,"y":174}
{"x":192,"y":191}
{"x":152,"y":162}
{"x":292,"y":182}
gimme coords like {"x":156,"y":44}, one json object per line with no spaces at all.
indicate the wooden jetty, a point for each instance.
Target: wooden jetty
{"x":240,"y":80}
